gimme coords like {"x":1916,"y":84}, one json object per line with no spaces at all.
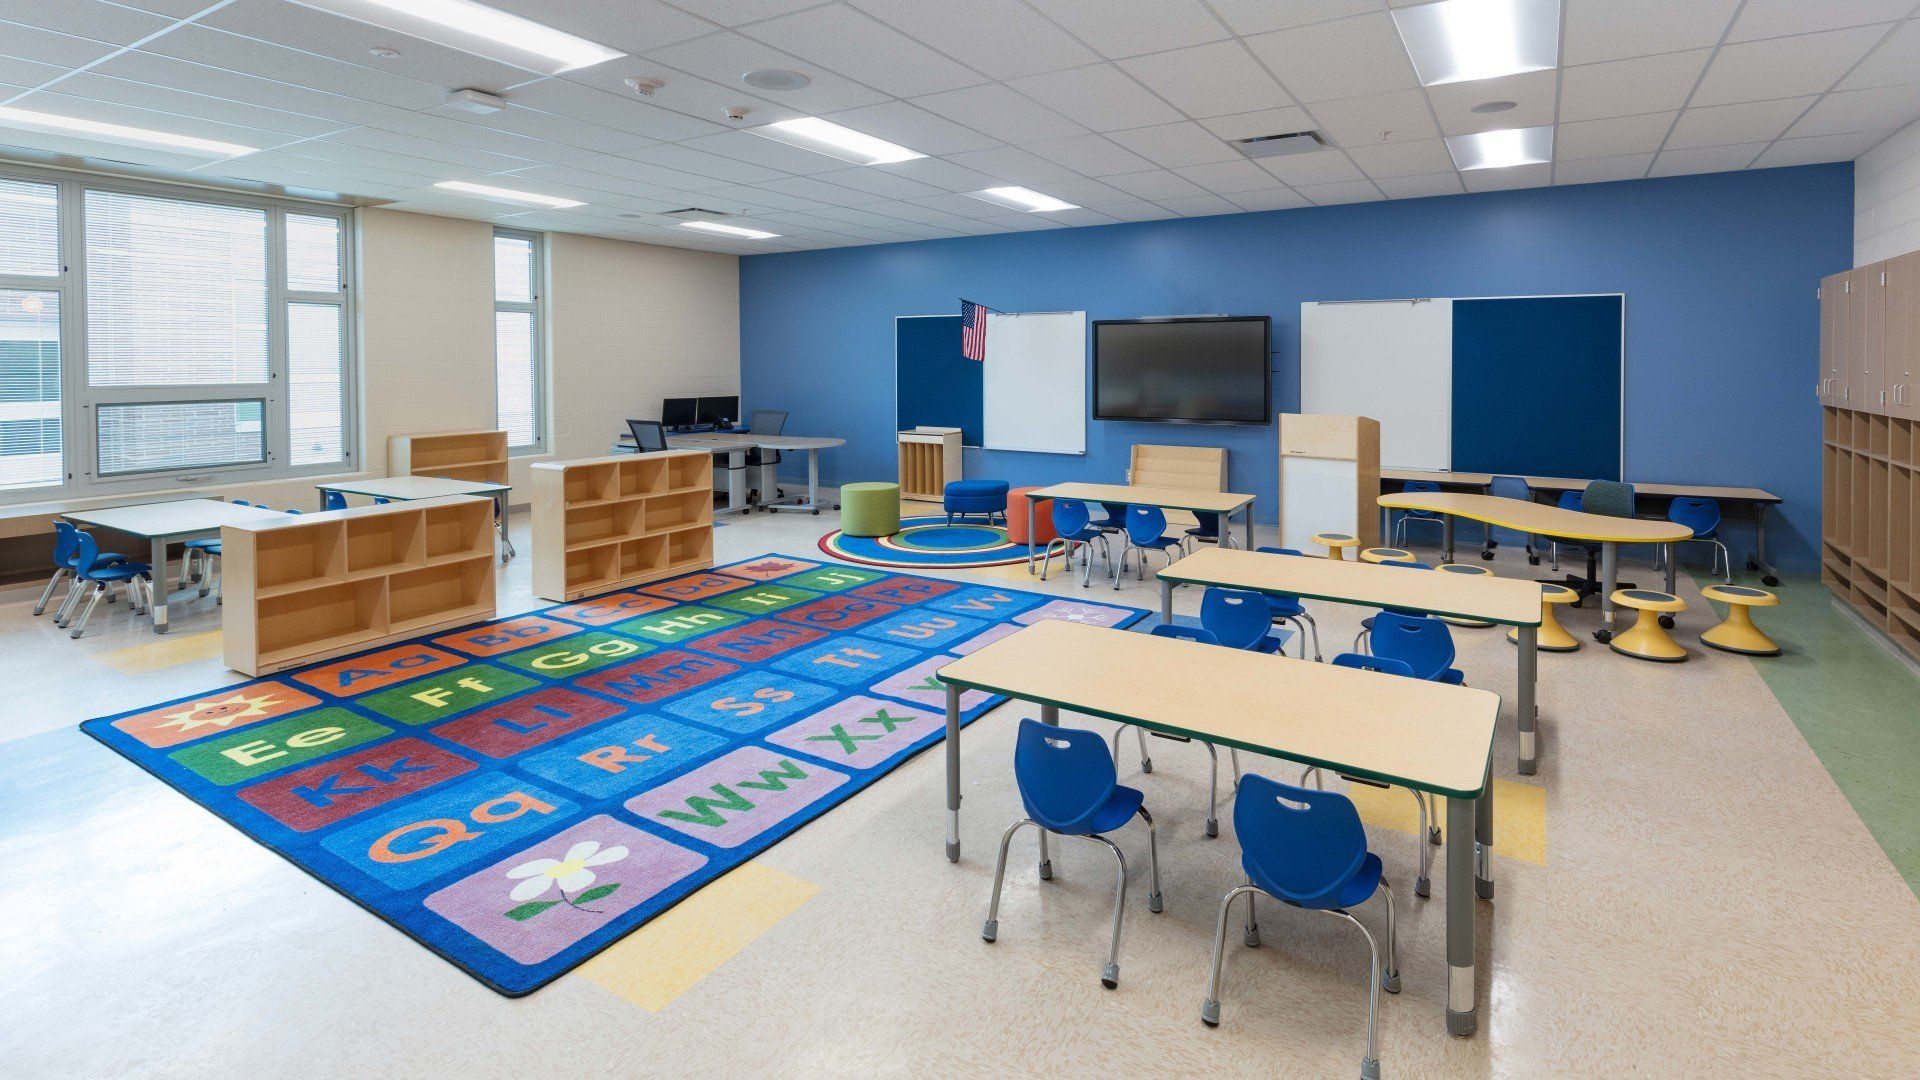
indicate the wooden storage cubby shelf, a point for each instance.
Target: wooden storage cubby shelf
{"x":609,"y":523}
{"x":307,"y":588}
{"x":456,"y":455}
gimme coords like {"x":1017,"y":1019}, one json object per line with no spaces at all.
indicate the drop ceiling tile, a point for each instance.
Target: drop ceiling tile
{"x":940,"y":173}
{"x":1117,"y":28}
{"x":442,"y":129}
{"x":756,"y":150}
{"x":416,"y":160}
{"x":1706,"y":159}
{"x":82,"y":18}
{"x":1347,"y":58}
{"x":1630,"y":87}
{"x":568,"y":182}
{"x":1251,"y":125}
{"x":1601,"y":170}
{"x":1088,"y":193}
{"x":1229,"y":177}
{"x":1100,"y":96}
{"x":909,"y":211}
{"x":1001,"y":38}
{"x":722,"y":57}
{"x":1209,"y":80}
{"x":25,"y":73}
{"x":1779,"y":18}
{"x":348,"y":41}
{"x":619,"y":110}
{"x":1419,"y":158}
{"x":1892,"y":63}
{"x":1082,"y":216}
{"x":154,"y":70}
{"x":1200,"y":206}
{"x":688,"y":159}
{"x":165,"y":100}
{"x":1519,"y":176}
{"x":1139,"y":211}
{"x":173,"y":9}
{"x":1173,"y":145}
{"x":47,"y":47}
{"x":1261,"y":16}
{"x":880,"y":184}
{"x":819,"y":191}
{"x":1024,"y":222}
{"x":1091,"y":155}
{"x":1001,"y":113}
{"x":259,"y":59}
{"x":1423,"y":186}
{"x":1616,"y":136}
{"x":1347,"y":191}
{"x":1535,"y":96}
{"x":1820,"y":148}
{"x":1722,"y":125}
{"x":1783,"y":67}
{"x":914,"y":128}
{"x":964,"y":206}
{"x":1882,"y":108}
{"x":1269,"y":199}
{"x":657,"y":176}
{"x":701,"y":102}
{"x":552,"y":127}
{"x":631,"y":26}
{"x":1321,"y":167}
{"x":1156,"y":185}
{"x":1013,"y":165}
{"x":341,"y":172}
{"x":1596,"y":30}
{"x":739,"y":12}
{"x":1399,"y":116}
{"x":860,"y":47}
{"x":752,"y":199}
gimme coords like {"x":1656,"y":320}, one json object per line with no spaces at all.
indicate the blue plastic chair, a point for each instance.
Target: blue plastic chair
{"x":89,"y":570}
{"x":1428,"y":813}
{"x":1287,"y":608}
{"x":1069,"y":788}
{"x":66,"y":543}
{"x":1421,"y":642}
{"x":1703,"y":517}
{"x":1366,"y":624}
{"x":1146,"y":531}
{"x":1212,"y":829}
{"x":1409,"y":517}
{"x":1385,"y":665}
{"x":1307,"y":849}
{"x":1075,"y":531}
{"x":333,"y":500}
{"x":1239,"y":619}
{"x":1509,"y":487}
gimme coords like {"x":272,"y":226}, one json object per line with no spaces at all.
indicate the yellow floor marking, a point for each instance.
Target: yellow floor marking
{"x":1519,"y":817}
{"x":663,"y":959}
{"x":163,"y":652}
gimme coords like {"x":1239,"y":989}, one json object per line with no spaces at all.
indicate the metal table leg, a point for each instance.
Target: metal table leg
{"x":1033,"y":508}
{"x":1667,"y":552}
{"x":813,"y":480}
{"x":157,"y":558}
{"x":1049,"y":714}
{"x":953,"y":773}
{"x":1483,"y":840}
{"x":1166,"y":602}
{"x":1462,"y":1001}
{"x":1446,"y":524}
{"x":1246,"y":517}
{"x":1768,"y":575}
{"x":500,"y":510}
{"x":1609,"y":578}
{"x":1529,"y":660}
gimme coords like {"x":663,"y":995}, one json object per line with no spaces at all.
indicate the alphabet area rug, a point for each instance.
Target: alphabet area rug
{"x":518,"y":795}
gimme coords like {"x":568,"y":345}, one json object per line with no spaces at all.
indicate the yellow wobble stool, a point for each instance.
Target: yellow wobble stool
{"x":1737,"y":634}
{"x":1336,"y":544}
{"x":1551,"y":637}
{"x":1648,"y":640}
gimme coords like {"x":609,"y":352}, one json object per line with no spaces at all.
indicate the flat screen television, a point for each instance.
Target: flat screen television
{"x":1201,"y":370}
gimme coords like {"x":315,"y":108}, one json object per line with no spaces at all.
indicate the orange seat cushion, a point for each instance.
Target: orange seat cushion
{"x":1020,"y":528}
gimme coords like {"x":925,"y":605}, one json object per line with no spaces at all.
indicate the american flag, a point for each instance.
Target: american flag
{"x":973,"y":330}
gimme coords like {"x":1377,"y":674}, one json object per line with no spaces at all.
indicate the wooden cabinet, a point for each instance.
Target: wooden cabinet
{"x":1868,"y":316}
{"x":1901,"y":334}
{"x":456,"y":455}
{"x":1833,"y":321}
{"x":1329,"y":478}
{"x":929,"y":461}
{"x":601,"y":524}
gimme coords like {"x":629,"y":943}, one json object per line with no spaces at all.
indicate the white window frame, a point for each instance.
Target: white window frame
{"x":538,"y":291}
{"x":80,"y":400}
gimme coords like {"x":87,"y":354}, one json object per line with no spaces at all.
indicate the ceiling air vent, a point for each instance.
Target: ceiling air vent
{"x":692,"y":213}
{"x":1266,"y":146}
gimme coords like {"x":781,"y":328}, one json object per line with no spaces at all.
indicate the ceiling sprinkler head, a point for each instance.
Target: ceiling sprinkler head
{"x":775,"y":79}
{"x":644,"y":85}
{"x":383,"y":53}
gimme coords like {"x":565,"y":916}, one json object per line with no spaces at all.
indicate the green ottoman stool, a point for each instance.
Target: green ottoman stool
{"x":869,"y":509}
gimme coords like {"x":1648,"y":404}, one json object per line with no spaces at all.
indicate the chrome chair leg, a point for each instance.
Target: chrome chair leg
{"x":1213,"y":791}
{"x":1422,"y":885}
{"x":1302,"y":623}
{"x":75,"y":593}
{"x":1369,"y":1065}
{"x":1390,"y":979}
{"x":1252,"y":934}
{"x":1146,"y":759}
{"x":80,"y":625}
{"x":53,"y":583}
{"x":1046,"y":555}
{"x":1045,"y":867}
{"x":991,"y":930}
{"x":1155,"y":903}
{"x":208,"y":561}
{"x":1110,"y":975}
{"x":1233,"y":755}
{"x":1210,"y":1008}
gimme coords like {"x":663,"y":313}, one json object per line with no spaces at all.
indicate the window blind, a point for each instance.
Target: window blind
{"x":313,"y":254}
{"x":30,"y":222}
{"x":30,"y":452}
{"x":139,"y":438}
{"x":315,"y":399}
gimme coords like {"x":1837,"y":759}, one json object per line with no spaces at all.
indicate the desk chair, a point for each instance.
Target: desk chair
{"x":1075,"y":531}
{"x":1239,"y":618}
{"x":1409,"y":517}
{"x":1421,"y":642}
{"x":66,"y":544}
{"x":1203,"y":637}
{"x":1208,"y":531}
{"x":1366,"y":624}
{"x":1610,"y":498}
{"x":1569,"y":500}
{"x":89,"y":570}
{"x":1703,"y":517}
{"x":649,"y":436}
{"x":1307,"y":849}
{"x":1069,"y":788}
{"x":1510,"y":487}
{"x":766,"y":422}
{"x":1289,"y":609}
{"x":1146,"y":530}
{"x":333,"y":500}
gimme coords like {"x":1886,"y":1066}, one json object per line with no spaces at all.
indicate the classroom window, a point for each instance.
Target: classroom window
{"x":517,"y":358}
{"x":181,"y":435}
{"x":30,"y":454}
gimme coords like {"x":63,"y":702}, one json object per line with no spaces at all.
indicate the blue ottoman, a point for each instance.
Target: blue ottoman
{"x":987,"y":497}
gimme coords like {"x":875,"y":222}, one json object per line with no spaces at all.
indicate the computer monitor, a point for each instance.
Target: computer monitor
{"x":719,"y":410}
{"x":648,"y":438}
{"x":679,"y":412}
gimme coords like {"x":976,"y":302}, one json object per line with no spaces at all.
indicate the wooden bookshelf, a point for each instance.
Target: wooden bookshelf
{"x":455,"y":455}
{"x":309,"y":587}
{"x":929,"y":461}
{"x":601,"y":524}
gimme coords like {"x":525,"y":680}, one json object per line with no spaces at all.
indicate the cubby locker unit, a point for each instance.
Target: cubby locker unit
{"x":310,"y":587}
{"x":608,"y":523}
{"x":929,"y":461}
{"x":456,"y":455}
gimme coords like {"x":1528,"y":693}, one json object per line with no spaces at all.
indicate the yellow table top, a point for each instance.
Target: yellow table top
{"x":1507,"y":601}
{"x":1210,"y":502}
{"x":1538,"y":518}
{"x":1566,"y":483}
{"x":1409,"y":732}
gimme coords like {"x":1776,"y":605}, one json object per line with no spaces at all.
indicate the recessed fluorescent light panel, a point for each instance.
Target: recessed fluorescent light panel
{"x":1501,"y":149}
{"x":1463,"y":40}
{"x":507,"y":194}
{"x":730,"y":230}
{"x":1020,"y":198}
{"x":28,"y":120}
{"x":826,"y":137}
{"x":478,"y":29}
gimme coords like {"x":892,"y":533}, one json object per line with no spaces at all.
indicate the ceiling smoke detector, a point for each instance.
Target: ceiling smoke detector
{"x":643,"y":85}
{"x":1494,"y":106}
{"x":776,"y":79}
{"x":477,"y":102}
{"x":1294,"y":142}
{"x":384,"y":53}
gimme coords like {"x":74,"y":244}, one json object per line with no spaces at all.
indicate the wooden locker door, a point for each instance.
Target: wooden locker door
{"x":1832,"y":322}
{"x":1900,"y":340}
{"x":1853,"y":341}
{"x":1870,"y":393}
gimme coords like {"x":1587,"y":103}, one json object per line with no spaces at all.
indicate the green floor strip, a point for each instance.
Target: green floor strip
{"x":1857,"y":706}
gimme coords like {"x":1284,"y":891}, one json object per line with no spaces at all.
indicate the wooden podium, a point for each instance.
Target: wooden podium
{"x":1329,"y":478}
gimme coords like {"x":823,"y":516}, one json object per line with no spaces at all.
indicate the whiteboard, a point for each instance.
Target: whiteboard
{"x":1034,"y":383}
{"x":1388,"y":359}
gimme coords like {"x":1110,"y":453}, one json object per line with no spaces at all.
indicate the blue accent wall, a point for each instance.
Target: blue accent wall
{"x":1719,"y":272}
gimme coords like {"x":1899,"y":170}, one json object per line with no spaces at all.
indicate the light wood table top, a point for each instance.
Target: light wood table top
{"x":408,"y":488}
{"x":1209,"y":502}
{"x":1507,"y":601}
{"x":183,"y":517}
{"x":1538,"y":518}
{"x":1566,"y":483}
{"x":1408,"y":732}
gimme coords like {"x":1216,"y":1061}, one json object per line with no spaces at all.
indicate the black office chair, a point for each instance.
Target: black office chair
{"x":765,"y":422}
{"x":649,"y":436}
{"x":1613,"y":499}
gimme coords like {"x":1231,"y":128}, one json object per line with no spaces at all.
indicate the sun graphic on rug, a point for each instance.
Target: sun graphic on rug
{"x":220,"y":713}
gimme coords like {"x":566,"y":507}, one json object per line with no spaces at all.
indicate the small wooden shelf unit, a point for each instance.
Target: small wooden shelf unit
{"x":456,"y":455}
{"x":313,"y":586}
{"x":929,"y":461}
{"x":607,"y":523}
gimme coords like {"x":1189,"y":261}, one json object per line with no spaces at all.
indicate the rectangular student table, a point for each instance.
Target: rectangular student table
{"x":409,"y":488}
{"x":1224,"y":503}
{"x":1405,"y":732}
{"x":164,"y":523}
{"x":1504,"y":601}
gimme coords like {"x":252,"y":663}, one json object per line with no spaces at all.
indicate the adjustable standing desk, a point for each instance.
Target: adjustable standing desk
{"x":1406,"y":732}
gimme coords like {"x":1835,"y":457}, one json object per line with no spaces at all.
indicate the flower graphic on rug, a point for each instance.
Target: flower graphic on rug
{"x":569,"y":874}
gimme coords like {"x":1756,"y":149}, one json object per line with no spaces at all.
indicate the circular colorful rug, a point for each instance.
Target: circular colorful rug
{"x":929,"y":541}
